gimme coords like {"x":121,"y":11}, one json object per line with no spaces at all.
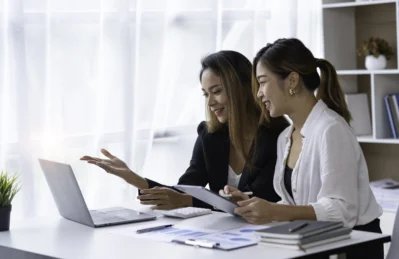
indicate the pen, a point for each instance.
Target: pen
{"x":145,"y":230}
{"x":298,"y":227}
{"x":229,"y":195}
{"x":201,"y":243}
{"x":301,"y":248}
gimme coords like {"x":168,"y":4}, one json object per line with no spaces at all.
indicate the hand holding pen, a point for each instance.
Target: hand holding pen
{"x":234,"y":194}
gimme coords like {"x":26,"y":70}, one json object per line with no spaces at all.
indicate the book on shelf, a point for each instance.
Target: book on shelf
{"x":395,"y":111}
{"x":358,"y":106}
{"x":391,"y":105}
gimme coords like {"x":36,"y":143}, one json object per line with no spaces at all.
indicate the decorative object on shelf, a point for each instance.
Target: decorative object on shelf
{"x":9,"y":186}
{"x":358,"y":106}
{"x":377,"y":51}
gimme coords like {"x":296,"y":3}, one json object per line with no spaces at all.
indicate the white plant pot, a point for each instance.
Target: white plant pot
{"x":373,"y":63}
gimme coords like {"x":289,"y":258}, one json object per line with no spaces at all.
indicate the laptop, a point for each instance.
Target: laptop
{"x":72,"y":206}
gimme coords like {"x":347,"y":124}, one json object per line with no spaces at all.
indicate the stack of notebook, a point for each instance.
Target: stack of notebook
{"x":304,"y":234}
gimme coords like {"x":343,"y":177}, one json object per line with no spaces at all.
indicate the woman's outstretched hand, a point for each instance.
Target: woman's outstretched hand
{"x":116,"y":166}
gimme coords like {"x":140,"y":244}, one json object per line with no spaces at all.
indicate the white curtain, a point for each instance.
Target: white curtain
{"x":80,"y":75}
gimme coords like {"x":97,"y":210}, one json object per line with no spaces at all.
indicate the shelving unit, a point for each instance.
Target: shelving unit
{"x":346,"y":24}
{"x":341,"y":4}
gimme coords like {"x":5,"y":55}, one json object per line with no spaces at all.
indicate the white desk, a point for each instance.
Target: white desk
{"x":60,"y":238}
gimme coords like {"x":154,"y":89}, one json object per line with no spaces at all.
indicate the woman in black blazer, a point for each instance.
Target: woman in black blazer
{"x":232,"y":141}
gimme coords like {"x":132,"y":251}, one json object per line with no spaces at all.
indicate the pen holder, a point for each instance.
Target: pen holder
{"x":5,"y":218}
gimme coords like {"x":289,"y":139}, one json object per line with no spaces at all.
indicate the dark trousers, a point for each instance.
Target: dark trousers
{"x":372,"y":251}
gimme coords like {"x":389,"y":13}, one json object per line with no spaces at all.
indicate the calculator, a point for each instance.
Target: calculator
{"x":185,"y":213}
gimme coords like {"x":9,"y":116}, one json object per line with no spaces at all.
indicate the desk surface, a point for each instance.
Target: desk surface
{"x":60,"y":238}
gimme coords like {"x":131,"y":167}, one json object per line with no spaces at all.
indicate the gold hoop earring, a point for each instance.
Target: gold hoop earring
{"x":292,"y":91}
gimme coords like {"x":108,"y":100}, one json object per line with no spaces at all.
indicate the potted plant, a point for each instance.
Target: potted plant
{"x":377,"y":51}
{"x":9,"y":186}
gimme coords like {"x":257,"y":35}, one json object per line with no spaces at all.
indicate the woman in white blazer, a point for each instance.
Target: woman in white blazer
{"x":321,"y":173}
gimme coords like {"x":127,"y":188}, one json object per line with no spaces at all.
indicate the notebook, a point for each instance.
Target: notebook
{"x":315,"y":238}
{"x":307,"y":246}
{"x":313,"y":227}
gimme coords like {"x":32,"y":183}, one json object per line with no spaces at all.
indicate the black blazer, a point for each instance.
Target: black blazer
{"x":210,"y":161}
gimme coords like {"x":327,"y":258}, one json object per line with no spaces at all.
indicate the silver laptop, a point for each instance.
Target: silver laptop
{"x":71,"y":204}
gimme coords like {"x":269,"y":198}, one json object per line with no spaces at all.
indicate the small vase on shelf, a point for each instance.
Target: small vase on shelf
{"x":373,"y":63}
{"x":377,"y":51}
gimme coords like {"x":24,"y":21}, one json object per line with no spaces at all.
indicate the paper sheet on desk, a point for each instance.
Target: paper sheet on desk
{"x":182,"y":233}
{"x":386,"y":192}
{"x":163,"y":235}
{"x":231,"y":239}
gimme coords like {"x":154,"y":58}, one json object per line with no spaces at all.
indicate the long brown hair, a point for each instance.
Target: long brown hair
{"x":291,"y":55}
{"x":234,"y":70}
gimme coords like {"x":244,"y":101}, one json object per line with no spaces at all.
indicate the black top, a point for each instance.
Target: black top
{"x":210,"y":161}
{"x":287,"y":180}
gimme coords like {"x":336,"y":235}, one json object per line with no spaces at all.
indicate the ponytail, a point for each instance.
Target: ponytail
{"x":330,"y":91}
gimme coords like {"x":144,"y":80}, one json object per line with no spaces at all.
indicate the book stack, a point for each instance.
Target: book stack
{"x":392,"y":107}
{"x":304,"y":234}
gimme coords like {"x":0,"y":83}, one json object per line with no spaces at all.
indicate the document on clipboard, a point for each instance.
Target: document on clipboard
{"x":226,"y":240}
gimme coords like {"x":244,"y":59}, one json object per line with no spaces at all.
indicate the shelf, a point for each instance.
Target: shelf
{"x":368,"y":72}
{"x":370,"y":139}
{"x":354,"y":4}
{"x":365,"y":139}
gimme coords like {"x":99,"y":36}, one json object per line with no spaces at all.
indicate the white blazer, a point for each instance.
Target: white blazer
{"x":331,"y":173}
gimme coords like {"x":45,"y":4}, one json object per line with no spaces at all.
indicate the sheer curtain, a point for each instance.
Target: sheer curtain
{"x":80,"y":75}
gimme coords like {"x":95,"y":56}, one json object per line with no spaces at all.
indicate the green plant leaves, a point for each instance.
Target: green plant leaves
{"x":375,"y":46}
{"x":9,"y":186}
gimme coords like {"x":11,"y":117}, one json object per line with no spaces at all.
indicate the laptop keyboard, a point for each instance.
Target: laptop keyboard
{"x":115,"y":216}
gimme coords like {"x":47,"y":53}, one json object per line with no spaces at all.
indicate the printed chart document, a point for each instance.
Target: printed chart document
{"x":226,"y":240}
{"x":164,"y":235}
